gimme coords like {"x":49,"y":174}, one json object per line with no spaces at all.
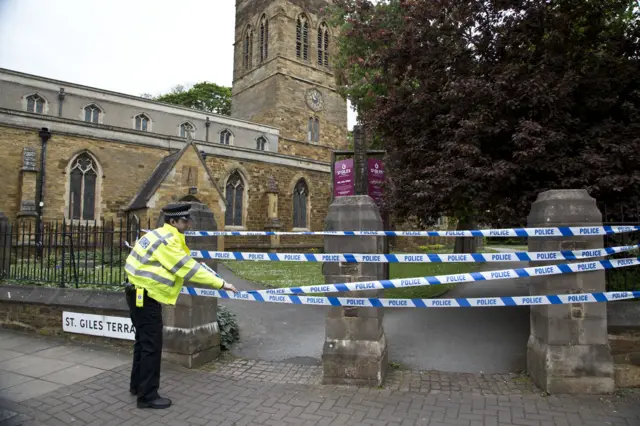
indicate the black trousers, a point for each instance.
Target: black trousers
{"x":147,"y":349}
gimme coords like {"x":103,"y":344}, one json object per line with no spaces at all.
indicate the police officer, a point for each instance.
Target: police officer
{"x":159,"y":263}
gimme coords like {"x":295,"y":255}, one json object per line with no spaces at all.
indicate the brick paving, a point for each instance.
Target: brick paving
{"x":244,"y":392}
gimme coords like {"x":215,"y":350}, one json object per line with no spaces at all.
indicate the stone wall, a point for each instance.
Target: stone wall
{"x":623,"y":321}
{"x":39,"y":309}
{"x":256,"y":177}
{"x":125,"y":167}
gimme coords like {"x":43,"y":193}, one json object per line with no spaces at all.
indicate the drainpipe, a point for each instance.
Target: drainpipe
{"x":207,"y":123}
{"x":61,"y":95}
{"x":45,"y":135}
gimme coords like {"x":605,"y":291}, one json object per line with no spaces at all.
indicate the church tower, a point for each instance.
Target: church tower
{"x":283,"y":76}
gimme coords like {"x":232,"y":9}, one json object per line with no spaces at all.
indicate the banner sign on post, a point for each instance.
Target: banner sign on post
{"x":343,"y":175}
{"x":98,"y":325}
{"x":375,"y":176}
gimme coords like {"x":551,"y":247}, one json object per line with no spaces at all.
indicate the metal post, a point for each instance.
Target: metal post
{"x":359,"y":161}
{"x":45,"y":135}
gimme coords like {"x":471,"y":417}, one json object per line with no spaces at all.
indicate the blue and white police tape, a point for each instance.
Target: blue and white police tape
{"x":567,"y":231}
{"x":505,"y":274}
{"x":556,"y":299}
{"x":413,"y":258}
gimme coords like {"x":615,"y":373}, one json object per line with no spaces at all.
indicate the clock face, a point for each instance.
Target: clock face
{"x":314,"y":100}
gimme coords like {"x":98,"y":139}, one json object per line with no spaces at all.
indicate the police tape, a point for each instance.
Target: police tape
{"x":563,"y":268}
{"x":516,"y":232}
{"x":555,"y":299}
{"x":412,"y":258}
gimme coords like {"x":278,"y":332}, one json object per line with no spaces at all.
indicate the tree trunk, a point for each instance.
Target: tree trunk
{"x":465,"y":244}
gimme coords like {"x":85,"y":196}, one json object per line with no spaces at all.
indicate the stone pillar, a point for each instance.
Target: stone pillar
{"x":273,"y":222}
{"x":355,"y":349}
{"x":568,"y":349}
{"x":191,"y":332}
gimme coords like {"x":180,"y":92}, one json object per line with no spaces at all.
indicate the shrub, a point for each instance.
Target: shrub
{"x":229,"y":329}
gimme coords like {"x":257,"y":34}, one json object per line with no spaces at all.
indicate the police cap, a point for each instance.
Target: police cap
{"x":177,"y":211}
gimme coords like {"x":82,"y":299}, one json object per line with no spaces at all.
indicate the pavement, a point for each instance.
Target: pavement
{"x":52,"y":381}
{"x":467,"y":340}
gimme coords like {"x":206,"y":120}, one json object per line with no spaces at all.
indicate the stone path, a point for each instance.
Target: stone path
{"x":45,"y":381}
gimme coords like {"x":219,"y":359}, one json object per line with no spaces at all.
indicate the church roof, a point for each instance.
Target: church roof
{"x":160,"y":173}
{"x":157,"y":177}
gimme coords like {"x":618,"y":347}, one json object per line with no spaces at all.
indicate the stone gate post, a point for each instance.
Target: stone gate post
{"x":191,"y":335}
{"x":568,"y":349}
{"x":355,"y":349}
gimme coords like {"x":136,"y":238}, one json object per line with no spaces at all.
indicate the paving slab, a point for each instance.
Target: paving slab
{"x":108,"y":361}
{"x":8,"y":379}
{"x":34,"y":366}
{"x":73,"y":374}
{"x":71,"y":354}
{"x":8,"y":354}
{"x":27,"y":345}
{"x":28,"y":390}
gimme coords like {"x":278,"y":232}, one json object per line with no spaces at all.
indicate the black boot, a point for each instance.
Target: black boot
{"x":158,"y":403}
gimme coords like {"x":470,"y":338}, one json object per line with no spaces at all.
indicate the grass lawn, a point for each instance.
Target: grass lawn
{"x":511,"y":247}
{"x":298,"y":274}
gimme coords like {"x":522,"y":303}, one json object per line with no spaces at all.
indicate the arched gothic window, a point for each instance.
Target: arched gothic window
{"x":225,"y":137}
{"x":35,"y":103}
{"x":300,"y":199}
{"x":302,"y":38}
{"x":314,"y":130}
{"x":185,"y":128}
{"x":142,"y":122}
{"x":264,"y":38}
{"x":323,"y":45}
{"x":247,"y":49}
{"x":234,"y":194}
{"x":83,"y":176}
{"x":261,"y":143}
{"x":92,"y":113}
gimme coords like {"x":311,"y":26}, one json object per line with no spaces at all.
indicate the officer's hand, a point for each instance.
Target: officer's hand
{"x":229,"y":287}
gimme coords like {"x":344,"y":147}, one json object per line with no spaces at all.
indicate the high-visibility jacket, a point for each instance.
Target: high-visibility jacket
{"x":161,"y":262}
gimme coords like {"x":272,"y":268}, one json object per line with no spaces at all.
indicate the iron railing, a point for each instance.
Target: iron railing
{"x":622,"y":279}
{"x":64,"y":253}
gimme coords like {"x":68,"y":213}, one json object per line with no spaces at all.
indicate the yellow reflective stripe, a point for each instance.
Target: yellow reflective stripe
{"x":148,"y":274}
{"x":180,"y":264}
{"x":192,"y":272}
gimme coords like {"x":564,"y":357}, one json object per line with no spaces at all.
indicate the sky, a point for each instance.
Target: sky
{"x":127,"y":46}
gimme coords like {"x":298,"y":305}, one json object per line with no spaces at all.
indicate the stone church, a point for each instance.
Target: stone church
{"x":88,"y":155}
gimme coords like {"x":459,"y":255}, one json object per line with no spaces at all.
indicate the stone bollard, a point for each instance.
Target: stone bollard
{"x":191,"y":335}
{"x":355,"y":348}
{"x":568,"y":349}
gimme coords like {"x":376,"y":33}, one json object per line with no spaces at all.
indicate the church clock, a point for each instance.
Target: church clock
{"x":315,"y":100}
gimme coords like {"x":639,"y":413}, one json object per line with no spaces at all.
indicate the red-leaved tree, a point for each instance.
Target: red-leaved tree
{"x":484,"y":104}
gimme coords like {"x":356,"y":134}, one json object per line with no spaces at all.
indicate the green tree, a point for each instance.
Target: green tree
{"x":483,"y":104}
{"x":203,"y":96}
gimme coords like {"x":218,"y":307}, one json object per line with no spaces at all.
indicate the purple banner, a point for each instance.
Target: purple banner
{"x":343,"y":178}
{"x":375,"y":174}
